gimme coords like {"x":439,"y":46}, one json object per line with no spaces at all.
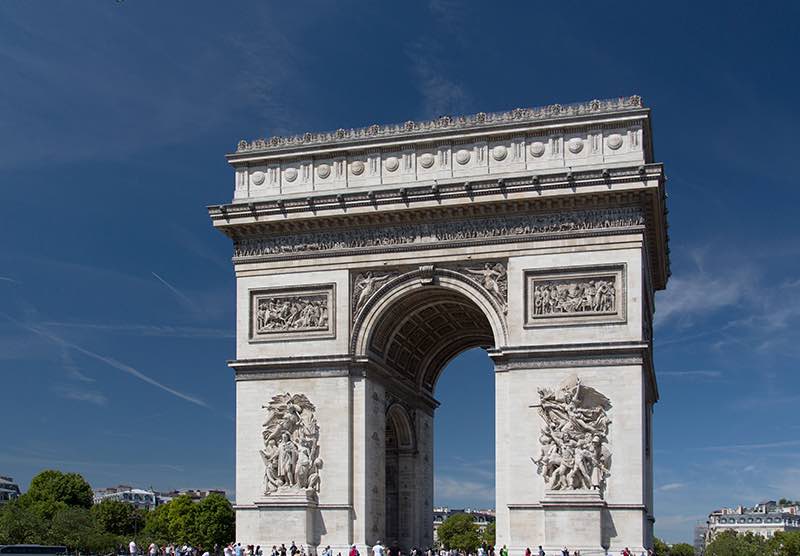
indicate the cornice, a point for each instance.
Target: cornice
{"x":409,"y":196}
{"x":431,"y":129}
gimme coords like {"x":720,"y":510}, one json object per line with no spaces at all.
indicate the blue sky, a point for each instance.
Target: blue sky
{"x":116,"y":296}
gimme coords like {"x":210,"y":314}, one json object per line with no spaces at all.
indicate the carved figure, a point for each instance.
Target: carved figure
{"x":566,"y":296}
{"x":573,"y":452}
{"x":432,"y":233}
{"x":291,"y":453}
{"x":285,"y":313}
{"x":494,"y":279}
{"x":367,"y":284}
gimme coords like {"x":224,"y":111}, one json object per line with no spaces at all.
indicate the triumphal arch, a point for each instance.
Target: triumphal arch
{"x":366,"y":259}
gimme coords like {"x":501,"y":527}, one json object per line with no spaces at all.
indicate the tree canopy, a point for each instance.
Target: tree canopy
{"x":460,"y":532}
{"x":55,"y":511}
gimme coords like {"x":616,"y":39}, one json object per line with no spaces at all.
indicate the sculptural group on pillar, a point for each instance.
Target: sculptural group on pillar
{"x":291,"y":445}
{"x":573,"y":442}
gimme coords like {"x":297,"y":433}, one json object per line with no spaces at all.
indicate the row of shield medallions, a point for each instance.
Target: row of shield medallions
{"x":553,"y":297}
{"x":514,"y":154}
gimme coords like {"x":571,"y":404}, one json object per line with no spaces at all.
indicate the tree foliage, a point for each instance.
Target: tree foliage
{"x":55,"y":511}
{"x":728,"y":543}
{"x":118,"y":518}
{"x":660,"y":547}
{"x":784,"y":543}
{"x":54,"y":486}
{"x":681,"y":549}
{"x":489,"y":535}
{"x":459,"y":532}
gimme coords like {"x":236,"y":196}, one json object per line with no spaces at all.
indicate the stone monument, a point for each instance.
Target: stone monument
{"x":366,"y":259}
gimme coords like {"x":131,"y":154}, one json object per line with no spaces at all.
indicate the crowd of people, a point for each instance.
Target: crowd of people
{"x":236,"y":549}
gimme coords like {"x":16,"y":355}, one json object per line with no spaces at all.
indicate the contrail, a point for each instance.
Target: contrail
{"x":111,"y":362}
{"x":177,"y":292}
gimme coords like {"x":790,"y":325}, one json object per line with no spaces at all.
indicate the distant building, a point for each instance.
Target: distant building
{"x":481,"y":518}
{"x":765,"y":519}
{"x":194,"y":494}
{"x":9,"y":490}
{"x":140,"y":498}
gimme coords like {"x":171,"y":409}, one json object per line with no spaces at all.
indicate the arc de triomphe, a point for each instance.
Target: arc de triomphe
{"x":366,"y":259}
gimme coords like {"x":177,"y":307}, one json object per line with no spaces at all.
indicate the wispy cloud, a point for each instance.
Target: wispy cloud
{"x":750,"y":447}
{"x":692,"y":375}
{"x":110,"y":361}
{"x":10,"y":280}
{"x":448,"y":488}
{"x":671,"y":486}
{"x":155,"y":330}
{"x":701,"y":293}
{"x":81,"y":395}
{"x":440,"y":94}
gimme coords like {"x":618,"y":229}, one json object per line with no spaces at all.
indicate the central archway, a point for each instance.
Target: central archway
{"x":415,"y":324}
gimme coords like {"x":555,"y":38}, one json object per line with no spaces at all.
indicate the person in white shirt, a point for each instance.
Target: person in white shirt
{"x":377,"y":550}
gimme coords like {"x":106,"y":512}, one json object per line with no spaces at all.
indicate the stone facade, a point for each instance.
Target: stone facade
{"x":366,"y":259}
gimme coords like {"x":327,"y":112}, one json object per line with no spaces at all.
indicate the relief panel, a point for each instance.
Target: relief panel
{"x":292,"y":313}
{"x":593,"y":295}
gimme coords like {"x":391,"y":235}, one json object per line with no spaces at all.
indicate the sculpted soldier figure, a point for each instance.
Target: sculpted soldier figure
{"x":291,"y":439}
{"x":572,"y":453}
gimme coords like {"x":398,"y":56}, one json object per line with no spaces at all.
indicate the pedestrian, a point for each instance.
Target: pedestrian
{"x":541,"y":551}
{"x":354,"y":551}
{"x":132,"y":548}
{"x":377,"y":550}
{"x":528,"y":551}
{"x":327,"y":551}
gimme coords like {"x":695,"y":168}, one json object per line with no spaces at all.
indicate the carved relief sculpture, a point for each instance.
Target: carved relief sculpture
{"x":365,"y":285}
{"x":493,"y":278}
{"x":573,"y":444}
{"x":429,"y":235}
{"x":291,"y":445}
{"x":568,"y":296}
{"x":292,"y":312}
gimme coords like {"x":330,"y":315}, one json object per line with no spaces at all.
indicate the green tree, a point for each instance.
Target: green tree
{"x":460,"y":532}
{"x":681,"y":549}
{"x":214,"y":521}
{"x":175,"y":521}
{"x":660,"y":547}
{"x":784,"y":543}
{"x":489,"y":535}
{"x":728,"y":543}
{"x":54,"y":486}
{"x":20,"y":524}
{"x":118,"y":518}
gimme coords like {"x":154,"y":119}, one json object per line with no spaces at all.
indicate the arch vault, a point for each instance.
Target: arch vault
{"x":366,"y":259}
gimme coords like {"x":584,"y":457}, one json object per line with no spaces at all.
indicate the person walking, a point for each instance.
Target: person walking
{"x":377,"y":550}
{"x":528,"y":551}
{"x":541,"y":551}
{"x":132,"y":548}
{"x":504,"y":551}
{"x":354,"y":551}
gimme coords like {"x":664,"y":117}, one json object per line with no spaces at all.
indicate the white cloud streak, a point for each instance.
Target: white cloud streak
{"x":112,"y":363}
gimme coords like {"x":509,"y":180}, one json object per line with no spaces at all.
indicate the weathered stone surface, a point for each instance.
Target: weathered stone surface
{"x":366,"y":259}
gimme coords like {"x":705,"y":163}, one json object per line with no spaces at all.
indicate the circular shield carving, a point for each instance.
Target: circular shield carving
{"x":499,"y":152}
{"x":462,"y":156}
{"x":392,"y":163}
{"x":575,"y":145}
{"x":323,"y":171}
{"x":614,"y":141}
{"x":290,"y":174}
{"x":537,"y":149}
{"x":426,"y":160}
{"x":357,"y":168}
{"x":258,"y":178}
